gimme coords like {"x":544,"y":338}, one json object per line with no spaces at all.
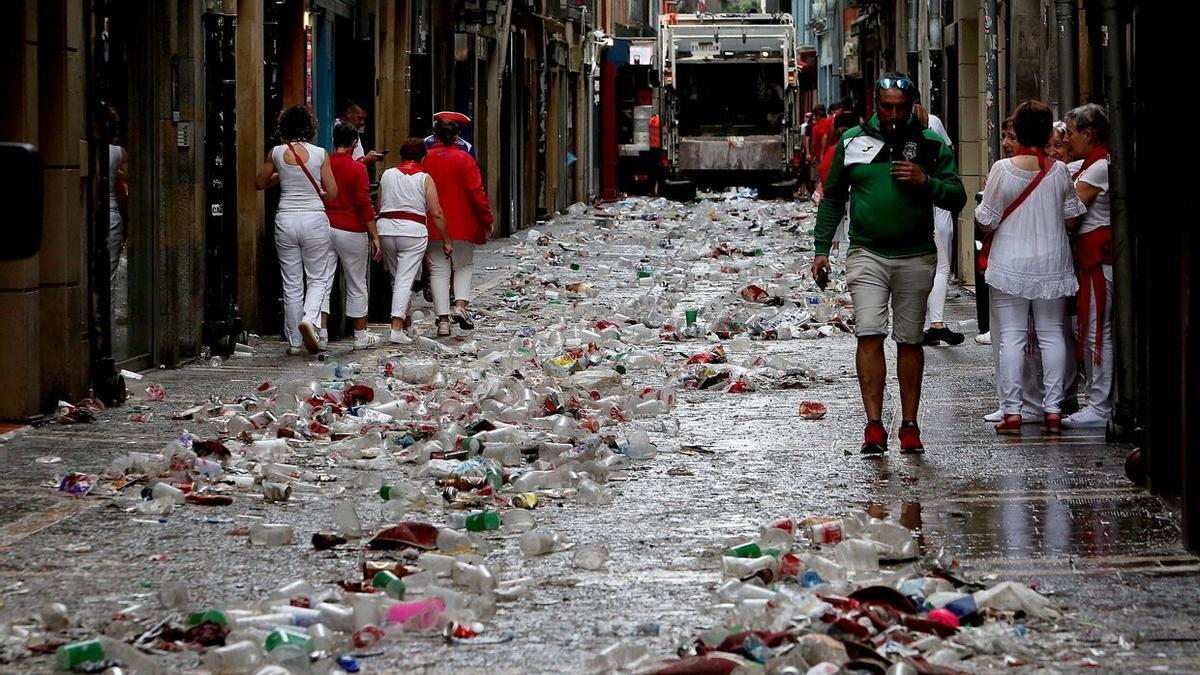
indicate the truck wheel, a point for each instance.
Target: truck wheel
{"x":679,"y":190}
{"x":782,"y":190}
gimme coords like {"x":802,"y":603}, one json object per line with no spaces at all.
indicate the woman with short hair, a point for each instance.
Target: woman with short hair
{"x":408,"y":199}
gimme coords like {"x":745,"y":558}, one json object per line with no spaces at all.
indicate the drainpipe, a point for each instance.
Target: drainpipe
{"x":993,"y":81}
{"x":934,"y":44}
{"x":914,"y":38}
{"x":1112,"y":45}
{"x":1068,"y":54}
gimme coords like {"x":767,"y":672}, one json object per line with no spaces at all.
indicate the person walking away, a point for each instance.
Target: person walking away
{"x":352,"y":233}
{"x":431,"y":141}
{"x":1028,"y":205}
{"x":468,"y":221}
{"x":408,"y":200}
{"x":1087,"y":136}
{"x":943,"y":238}
{"x":897,"y":172}
{"x":306,"y":183}
{"x":841,"y":124}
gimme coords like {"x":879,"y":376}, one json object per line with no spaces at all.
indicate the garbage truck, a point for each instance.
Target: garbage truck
{"x":728,"y":101}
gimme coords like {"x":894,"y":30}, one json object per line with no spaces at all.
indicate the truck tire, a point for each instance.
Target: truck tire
{"x":780,"y":190}
{"x":679,"y":190}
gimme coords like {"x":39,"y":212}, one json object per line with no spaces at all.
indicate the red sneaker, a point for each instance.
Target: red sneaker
{"x":910,"y":438}
{"x":874,"y":439}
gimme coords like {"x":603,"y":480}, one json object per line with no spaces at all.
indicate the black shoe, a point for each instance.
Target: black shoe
{"x":933,"y":336}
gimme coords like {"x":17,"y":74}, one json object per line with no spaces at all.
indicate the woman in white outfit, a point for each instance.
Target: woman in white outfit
{"x":306,"y":182}
{"x":408,"y":199}
{"x":1028,"y":204}
{"x":1087,"y":136}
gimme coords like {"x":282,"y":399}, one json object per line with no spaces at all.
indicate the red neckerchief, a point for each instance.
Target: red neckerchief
{"x":1040,"y":153}
{"x":409,"y":167}
{"x":1098,"y":153}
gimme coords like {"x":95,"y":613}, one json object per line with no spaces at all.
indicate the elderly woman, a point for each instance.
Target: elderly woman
{"x":305,"y":178}
{"x":1029,"y":203}
{"x":1087,"y":137}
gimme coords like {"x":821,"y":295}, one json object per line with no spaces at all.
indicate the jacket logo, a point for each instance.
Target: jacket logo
{"x":910,"y":150}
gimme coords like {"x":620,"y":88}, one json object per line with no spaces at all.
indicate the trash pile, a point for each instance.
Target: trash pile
{"x":827,"y":595}
{"x":571,"y":394}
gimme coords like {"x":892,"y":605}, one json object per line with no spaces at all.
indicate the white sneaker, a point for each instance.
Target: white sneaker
{"x":1026,"y":418}
{"x":984,"y":339}
{"x":369,"y":340}
{"x":399,"y":337}
{"x":1087,"y":418}
{"x":311,"y":339}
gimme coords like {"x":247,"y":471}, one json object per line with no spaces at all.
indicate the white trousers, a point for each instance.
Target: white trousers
{"x":302,"y":242}
{"x":1031,"y":376}
{"x":1099,"y":378}
{"x":943,"y":238}
{"x":116,"y":243}
{"x":461,"y":266}
{"x":353,"y":251}
{"x":402,"y":255}
{"x":1012,"y":328}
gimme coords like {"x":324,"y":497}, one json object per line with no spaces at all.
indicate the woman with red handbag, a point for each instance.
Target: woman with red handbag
{"x":301,"y":224}
{"x":1028,"y":204}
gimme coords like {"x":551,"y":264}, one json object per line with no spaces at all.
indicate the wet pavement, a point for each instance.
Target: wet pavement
{"x":1054,"y":512}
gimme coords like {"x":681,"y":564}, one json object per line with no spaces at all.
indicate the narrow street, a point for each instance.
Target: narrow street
{"x":1055,"y":513}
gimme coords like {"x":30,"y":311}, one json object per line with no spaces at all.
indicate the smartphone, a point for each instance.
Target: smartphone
{"x":822,"y":278}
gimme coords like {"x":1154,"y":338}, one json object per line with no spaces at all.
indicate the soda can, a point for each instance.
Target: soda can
{"x":828,"y":532}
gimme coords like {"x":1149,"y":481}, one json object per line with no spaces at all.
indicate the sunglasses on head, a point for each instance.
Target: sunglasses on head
{"x":901,"y":83}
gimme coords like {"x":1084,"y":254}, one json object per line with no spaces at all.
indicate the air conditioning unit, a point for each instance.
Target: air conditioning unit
{"x":851,"y":65}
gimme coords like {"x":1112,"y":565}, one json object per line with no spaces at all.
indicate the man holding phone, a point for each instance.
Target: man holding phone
{"x":898,"y":171}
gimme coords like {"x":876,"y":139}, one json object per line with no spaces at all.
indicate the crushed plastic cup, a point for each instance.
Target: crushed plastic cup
{"x":537,"y":542}
{"x":593,"y":494}
{"x":239,"y":657}
{"x":346,"y":520}
{"x":590,"y":557}
{"x":857,"y":555}
{"x":517,"y":520}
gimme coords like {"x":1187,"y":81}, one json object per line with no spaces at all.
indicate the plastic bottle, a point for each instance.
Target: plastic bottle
{"x":238,"y":657}
{"x":337,"y":616}
{"x":173,"y":594}
{"x":744,"y":567}
{"x":271,"y":534}
{"x":857,"y":555}
{"x":286,"y":646}
{"x":421,"y":614}
{"x":167,"y":491}
{"x":452,"y":541}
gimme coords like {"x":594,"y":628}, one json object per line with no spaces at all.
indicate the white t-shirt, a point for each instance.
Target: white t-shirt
{"x":1097,"y":215}
{"x":399,"y":191}
{"x":296,"y":191}
{"x":937,"y":127}
{"x":1030,"y":255}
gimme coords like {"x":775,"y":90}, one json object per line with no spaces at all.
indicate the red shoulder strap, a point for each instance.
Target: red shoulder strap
{"x":1047,"y":164}
{"x":305,"y":170}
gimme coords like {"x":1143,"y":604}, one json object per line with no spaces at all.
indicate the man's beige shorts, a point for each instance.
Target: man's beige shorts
{"x":906,"y":282}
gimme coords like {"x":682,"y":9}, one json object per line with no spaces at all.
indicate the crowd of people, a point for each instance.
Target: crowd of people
{"x":325,"y":219}
{"x":888,"y":188}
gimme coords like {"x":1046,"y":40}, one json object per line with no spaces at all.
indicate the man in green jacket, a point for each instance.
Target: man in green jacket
{"x":892,"y":172}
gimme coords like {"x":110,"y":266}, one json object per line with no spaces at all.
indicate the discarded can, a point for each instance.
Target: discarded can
{"x":828,"y":532}
{"x":525,"y":500}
